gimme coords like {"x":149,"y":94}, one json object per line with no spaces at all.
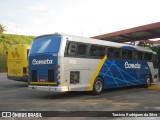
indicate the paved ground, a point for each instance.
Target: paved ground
{"x":15,"y":96}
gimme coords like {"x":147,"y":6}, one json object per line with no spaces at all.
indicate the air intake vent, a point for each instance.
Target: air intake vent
{"x":74,"y":77}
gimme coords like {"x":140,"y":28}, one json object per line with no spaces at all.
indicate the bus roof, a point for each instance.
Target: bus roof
{"x":98,"y":42}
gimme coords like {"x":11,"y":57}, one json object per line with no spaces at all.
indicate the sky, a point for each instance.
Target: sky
{"x":76,"y":17}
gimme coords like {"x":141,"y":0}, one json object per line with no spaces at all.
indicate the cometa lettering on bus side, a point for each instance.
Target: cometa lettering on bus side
{"x":132,"y":66}
{"x":39,"y":62}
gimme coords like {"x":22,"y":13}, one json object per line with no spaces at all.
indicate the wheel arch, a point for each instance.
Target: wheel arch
{"x":96,"y":91}
{"x":101,"y":78}
{"x":149,"y":75}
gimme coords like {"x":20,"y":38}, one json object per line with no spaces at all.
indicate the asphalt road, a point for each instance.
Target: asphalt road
{"x":15,"y":96}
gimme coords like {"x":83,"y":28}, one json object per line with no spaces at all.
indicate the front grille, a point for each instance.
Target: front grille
{"x":34,"y":75}
{"x":50,"y":75}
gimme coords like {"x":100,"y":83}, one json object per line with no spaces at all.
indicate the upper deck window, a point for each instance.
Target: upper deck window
{"x":46,"y":44}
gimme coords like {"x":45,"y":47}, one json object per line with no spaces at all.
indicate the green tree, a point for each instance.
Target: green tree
{"x":157,"y":50}
{"x":2,"y":28}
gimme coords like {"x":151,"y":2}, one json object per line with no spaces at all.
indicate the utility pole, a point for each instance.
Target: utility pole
{"x":82,"y":33}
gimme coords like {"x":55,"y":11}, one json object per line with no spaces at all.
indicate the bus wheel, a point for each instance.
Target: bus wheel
{"x":98,"y":86}
{"x":148,"y":84}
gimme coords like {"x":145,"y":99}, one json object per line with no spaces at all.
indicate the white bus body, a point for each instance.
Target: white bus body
{"x":59,"y":62}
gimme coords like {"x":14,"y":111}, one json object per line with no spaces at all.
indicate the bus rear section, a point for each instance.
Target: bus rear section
{"x":43,"y":63}
{"x":17,"y":62}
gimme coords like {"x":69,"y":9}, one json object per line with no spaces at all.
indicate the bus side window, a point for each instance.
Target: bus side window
{"x":135,"y":55}
{"x":81,"y":49}
{"x":140,"y":55}
{"x":127,"y":54}
{"x":97,"y":51}
{"x":148,"y":56}
{"x":113,"y":53}
{"x":72,"y":49}
{"x":110,"y":52}
{"x":117,"y":53}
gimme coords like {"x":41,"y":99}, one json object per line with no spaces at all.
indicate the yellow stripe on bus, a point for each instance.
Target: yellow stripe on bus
{"x":43,"y":83}
{"x":97,"y":72}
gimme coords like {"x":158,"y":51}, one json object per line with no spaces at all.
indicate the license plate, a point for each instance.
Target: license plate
{"x":42,"y":80}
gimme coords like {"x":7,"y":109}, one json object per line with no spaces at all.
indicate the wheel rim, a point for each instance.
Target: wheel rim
{"x":98,"y":86}
{"x":148,"y":82}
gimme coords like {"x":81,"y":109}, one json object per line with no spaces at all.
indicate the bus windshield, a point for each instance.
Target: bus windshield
{"x":46,"y":44}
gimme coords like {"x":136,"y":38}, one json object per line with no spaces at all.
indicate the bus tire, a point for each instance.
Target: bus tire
{"x":98,"y":86}
{"x":148,"y":82}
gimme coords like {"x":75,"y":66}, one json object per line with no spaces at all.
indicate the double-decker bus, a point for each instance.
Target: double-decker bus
{"x":17,"y":62}
{"x":59,"y":62}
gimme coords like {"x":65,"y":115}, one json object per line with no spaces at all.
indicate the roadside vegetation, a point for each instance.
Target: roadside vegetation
{"x":6,"y":41}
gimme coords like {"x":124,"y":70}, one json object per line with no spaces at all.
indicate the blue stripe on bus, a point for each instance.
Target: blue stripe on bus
{"x":115,"y":74}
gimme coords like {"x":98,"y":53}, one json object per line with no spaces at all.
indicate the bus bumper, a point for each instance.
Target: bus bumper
{"x":48,"y":88}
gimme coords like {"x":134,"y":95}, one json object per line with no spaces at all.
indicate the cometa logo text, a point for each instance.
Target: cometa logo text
{"x":132,"y":66}
{"x":40,"y":62}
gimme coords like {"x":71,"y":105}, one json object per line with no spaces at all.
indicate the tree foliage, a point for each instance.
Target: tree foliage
{"x":2,"y":28}
{"x":6,"y":40}
{"x":157,"y":50}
